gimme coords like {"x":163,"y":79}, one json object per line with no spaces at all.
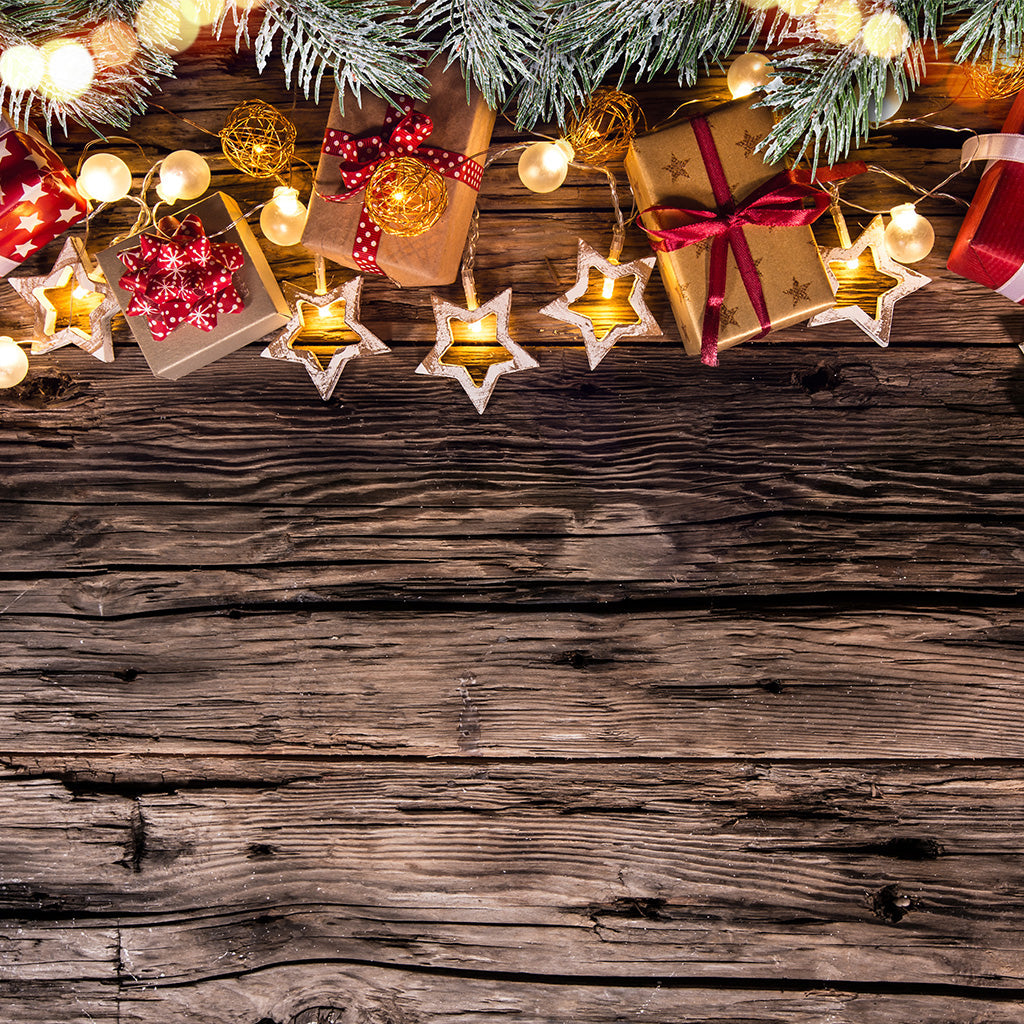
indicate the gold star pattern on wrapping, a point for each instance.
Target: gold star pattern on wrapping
{"x":677,"y":168}
{"x":879,"y":326}
{"x":588,"y":259}
{"x":326,"y":378}
{"x":798,"y":292}
{"x":728,"y":318}
{"x":433,"y":364}
{"x":72,"y":266}
{"x":749,"y":143}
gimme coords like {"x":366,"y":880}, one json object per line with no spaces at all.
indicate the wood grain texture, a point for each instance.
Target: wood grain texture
{"x":872,"y":875}
{"x":646,"y":684}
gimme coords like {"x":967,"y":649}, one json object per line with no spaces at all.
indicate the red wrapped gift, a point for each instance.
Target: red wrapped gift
{"x":990,"y":246}
{"x":38,"y":198}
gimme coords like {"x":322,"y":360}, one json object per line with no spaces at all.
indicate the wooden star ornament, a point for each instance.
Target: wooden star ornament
{"x":325,"y":377}
{"x":588,"y":259}
{"x":72,"y":265}
{"x":879,"y":326}
{"x":434,"y":365}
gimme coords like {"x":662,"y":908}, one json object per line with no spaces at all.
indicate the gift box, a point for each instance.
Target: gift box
{"x":735,"y":249}
{"x":446,"y":133}
{"x":185,"y":302}
{"x":989,"y":248}
{"x":38,"y":198}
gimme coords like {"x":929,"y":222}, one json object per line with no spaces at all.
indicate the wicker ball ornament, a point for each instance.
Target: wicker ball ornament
{"x":405,"y":197}
{"x":606,"y":126}
{"x":258,"y":139}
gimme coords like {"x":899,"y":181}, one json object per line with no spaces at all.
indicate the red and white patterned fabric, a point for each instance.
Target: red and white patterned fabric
{"x":38,"y":198}
{"x":182,"y":278}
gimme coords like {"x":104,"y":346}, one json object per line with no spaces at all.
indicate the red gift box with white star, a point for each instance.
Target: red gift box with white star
{"x":195,"y":288}
{"x":38,"y":198}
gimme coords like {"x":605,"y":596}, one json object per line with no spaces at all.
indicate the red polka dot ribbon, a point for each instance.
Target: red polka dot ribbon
{"x":403,"y":134}
{"x":181,"y":279}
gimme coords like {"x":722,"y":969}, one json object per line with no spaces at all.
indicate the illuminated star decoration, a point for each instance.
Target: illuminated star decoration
{"x":326,"y":377}
{"x":434,"y":366}
{"x":72,"y":263}
{"x":879,"y":326}
{"x":645,"y":325}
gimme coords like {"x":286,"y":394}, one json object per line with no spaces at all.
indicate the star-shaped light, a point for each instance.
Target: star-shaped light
{"x":434,"y":365}
{"x":879,"y":326}
{"x":645,"y":325}
{"x":326,"y":377}
{"x":72,"y":263}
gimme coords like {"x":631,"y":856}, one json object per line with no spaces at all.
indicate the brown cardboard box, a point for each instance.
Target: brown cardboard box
{"x":432,"y":258}
{"x":188,"y":348}
{"x":665,"y":168}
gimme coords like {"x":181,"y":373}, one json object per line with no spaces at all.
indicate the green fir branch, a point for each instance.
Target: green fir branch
{"x":995,"y":25}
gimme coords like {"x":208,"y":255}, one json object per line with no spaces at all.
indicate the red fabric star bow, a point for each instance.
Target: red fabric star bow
{"x":182,"y":278}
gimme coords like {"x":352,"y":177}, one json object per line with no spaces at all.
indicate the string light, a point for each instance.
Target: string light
{"x":22,"y":68}
{"x":405,"y":197}
{"x":69,"y":70}
{"x":838,"y":21}
{"x":544,"y":165}
{"x":183,"y":175}
{"x":609,"y":288}
{"x":605,"y":126}
{"x":748,"y":73}
{"x":105,"y":178}
{"x":909,"y":237}
{"x":886,"y":35}
{"x":283,"y":219}
{"x":161,"y":25}
{"x":258,"y":139}
{"x":13,"y":363}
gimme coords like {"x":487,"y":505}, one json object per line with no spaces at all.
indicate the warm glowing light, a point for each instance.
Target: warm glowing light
{"x":162,"y":25}
{"x":748,"y":73}
{"x":22,"y":68}
{"x":324,"y":312}
{"x":105,"y":178}
{"x":909,"y":237}
{"x":852,"y":264}
{"x":609,"y":288}
{"x":796,"y":8}
{"x":284,"y":218}
{"x":80,"y":292}
{"x":69,"y":70}
{"x":476,"y":328}
{"x":13,"y":363}
{"x":201,"y":12}
{"x":838,"y":21}
{"x":183,"y":175}
{"x":113,"y":44}
{"x":544,"y":165}
{"x":886,"y":36}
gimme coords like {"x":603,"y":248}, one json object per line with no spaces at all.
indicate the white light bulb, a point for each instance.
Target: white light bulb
{"x":748,"y":73}
{"x":105,"y":178}
{"x":886,"y":35}
{"x":13,"y":363}
{"x":69,"y":70}
{"x":544,"y":165}
{"x":183,"y":175}
{"x":284,"y":218}
{"x":22,"y":68}
{"x":909,"y":236}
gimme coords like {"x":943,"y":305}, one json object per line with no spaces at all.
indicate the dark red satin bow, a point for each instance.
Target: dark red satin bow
{"x":360,"y":157}
{"x":777,"y":203}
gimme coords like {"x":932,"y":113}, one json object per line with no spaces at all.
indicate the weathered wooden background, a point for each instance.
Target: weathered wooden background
{"x":655,"y":694}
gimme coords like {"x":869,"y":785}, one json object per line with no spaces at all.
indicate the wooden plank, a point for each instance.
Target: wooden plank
{"x":868,"y":875}
{"x":641,"y":684}
{"x":68,"y":1002}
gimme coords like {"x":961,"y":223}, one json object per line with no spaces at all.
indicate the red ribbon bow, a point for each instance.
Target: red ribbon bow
{"x":778,"y":203}
{"x":183,"y":278}
{"x":406,"y":130}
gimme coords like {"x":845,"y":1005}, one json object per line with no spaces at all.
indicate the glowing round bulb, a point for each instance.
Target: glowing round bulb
{"x":838,"y":21}
{"x":284,"y":217}
{"x":105,"y":178}
{"x":69,"y":70}
{"x":909,"y":236}
{"x":113,"y":44}
{"x":889,"y":107}
{"x":544,"y":165}
{"x":162,"y":25}
{"x":201,"y":12}
{"x":183,"y":175}
{"x":13,"y":363}
{"x":748,"y":73}
{"x":886,"y":35}
{"x":22,"y":68}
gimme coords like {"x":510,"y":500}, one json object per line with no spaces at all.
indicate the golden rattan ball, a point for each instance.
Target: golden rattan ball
{"x":996,"y":81}
{"x":405,"y":197}
{"x":258,"y":139}
{"x":605,"y":127}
